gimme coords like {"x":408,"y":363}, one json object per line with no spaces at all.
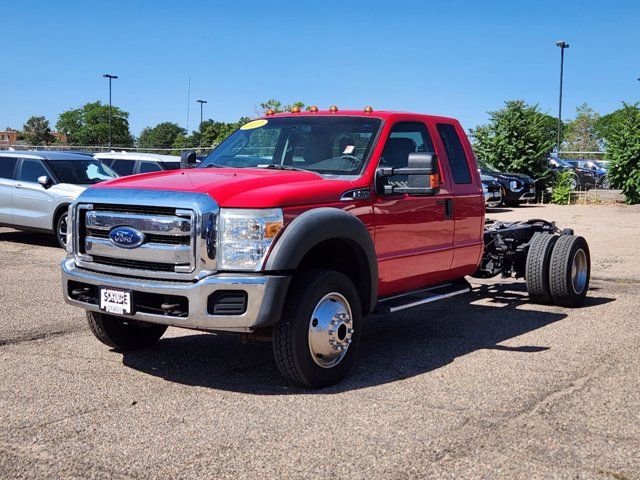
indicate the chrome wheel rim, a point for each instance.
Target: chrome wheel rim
{"x":330,"y":330}
{"x":574,"y":183}
{"x":579,"y":271}
{"x":62,"y":229}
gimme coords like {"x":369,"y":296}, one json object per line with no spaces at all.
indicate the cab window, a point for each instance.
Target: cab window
{"x":455,"y":153}
{"x":31,"y":170}
{"x":405,"y":138}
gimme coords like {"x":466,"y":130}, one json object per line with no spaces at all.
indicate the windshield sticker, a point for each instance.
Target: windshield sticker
{"x":348,"y":150}
{"x":254,"y":124}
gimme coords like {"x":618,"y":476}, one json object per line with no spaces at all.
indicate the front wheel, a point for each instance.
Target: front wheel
{"x":61,"y":229}
{"x":316,"y":340}
{"x":124,"y":334}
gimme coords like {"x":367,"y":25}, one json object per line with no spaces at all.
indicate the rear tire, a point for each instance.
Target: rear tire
{"x":316,"y":340}
{"x":570,"y":271}
{"x":537,"y":267}
{"x":124,"y":334}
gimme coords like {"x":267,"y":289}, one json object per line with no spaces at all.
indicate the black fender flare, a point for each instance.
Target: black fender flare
{"x":318,"y":225}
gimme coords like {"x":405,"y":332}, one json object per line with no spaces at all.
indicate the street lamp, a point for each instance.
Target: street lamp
{"x":562,"y":44}
{"x":201,"y":102}
{"x":110,"y":77}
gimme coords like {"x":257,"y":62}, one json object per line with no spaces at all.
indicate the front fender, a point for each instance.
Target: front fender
{"x":318,"y":225}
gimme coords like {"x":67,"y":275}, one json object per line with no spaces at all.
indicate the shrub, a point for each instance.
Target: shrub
{"x":623,"y":151}
{"x":561,"y":189}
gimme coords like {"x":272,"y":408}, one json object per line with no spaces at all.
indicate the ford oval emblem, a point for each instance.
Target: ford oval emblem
{"x":126,"y":237}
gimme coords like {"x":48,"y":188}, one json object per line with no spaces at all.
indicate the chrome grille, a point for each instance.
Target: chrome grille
{"x":179,"y":240}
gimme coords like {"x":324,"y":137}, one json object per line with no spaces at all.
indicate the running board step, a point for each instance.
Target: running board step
{"x":420,"y":297}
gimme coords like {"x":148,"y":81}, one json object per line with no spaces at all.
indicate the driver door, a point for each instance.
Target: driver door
{"x":413,"y":233}
{"x":32,"y":203}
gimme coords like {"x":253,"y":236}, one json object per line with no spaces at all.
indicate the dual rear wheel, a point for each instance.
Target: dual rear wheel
{"x":558,"y":269}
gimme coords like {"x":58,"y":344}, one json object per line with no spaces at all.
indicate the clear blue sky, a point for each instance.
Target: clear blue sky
{"x":458,"y":58}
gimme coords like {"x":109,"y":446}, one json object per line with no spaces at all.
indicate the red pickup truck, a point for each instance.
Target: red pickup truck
{"x":295,"y":228}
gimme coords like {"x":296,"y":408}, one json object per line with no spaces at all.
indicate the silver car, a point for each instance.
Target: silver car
{"x":36,"y":188}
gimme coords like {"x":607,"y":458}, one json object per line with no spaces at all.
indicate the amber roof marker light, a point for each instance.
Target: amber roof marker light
{"x":270,"y":112}
{"x":313,"y":109}
{"x":368,"y":109}
{"x":333,"y":109}
{"x":295,"y":110}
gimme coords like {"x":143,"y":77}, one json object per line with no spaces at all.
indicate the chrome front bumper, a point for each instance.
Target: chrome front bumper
{"x":265,"y":297}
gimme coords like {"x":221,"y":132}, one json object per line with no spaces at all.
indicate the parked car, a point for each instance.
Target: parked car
{"x":295,"y":228}
{"x":36,"y":188}
{"x":516,"y":188}
{"x":599,"y":170}
{"x":492,"y":191}
{"x":131,"y":163}
{"x":582,"y":178}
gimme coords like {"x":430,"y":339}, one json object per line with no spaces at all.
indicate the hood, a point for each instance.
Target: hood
{"x":508,"y":176}
{"x":69,"y":189}
{"x":241,"y":187}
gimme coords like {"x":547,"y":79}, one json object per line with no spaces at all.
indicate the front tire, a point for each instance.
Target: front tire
{"x":61,"y":229}
{"x":123,"y":334}
{"x":316,"y":340}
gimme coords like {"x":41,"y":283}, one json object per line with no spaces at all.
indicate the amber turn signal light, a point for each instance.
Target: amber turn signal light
{"x":295,"y":110}
{"x":313,"y":109}
{"x":368,"y":109}
{"x":333,"y":109}
{"x":270,"y":112}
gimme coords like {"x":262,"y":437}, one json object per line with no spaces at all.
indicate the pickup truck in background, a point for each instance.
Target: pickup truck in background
{"x":298,"y":226}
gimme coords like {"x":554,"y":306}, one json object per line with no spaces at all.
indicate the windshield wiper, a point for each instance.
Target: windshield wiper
{"x":278,"y":166}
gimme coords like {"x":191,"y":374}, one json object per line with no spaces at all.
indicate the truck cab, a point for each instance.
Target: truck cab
{"x":295,"y":227}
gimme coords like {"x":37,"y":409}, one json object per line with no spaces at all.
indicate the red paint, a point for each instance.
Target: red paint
{"x":416,"y":245}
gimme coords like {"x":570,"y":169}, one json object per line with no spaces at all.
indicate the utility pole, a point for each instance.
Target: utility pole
{"x":562,"y":44}
{"x":201,"y":102}
{"x":110,"y":77}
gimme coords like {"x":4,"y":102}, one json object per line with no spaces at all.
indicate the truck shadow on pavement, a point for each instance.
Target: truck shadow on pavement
{"x":29,"y":238}
{"x":393,"y":347}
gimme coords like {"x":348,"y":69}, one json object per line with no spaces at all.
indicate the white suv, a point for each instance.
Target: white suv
{"x":36,"y":188}
{"x":132,"y":163}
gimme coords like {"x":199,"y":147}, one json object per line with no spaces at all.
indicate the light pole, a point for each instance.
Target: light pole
{"x":110,"y":77}
{"x":201,"y":102}
{"x":562,"y":44}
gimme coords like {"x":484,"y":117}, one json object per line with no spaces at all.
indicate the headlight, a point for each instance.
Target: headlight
{"x":484,"y":188}
{"x":514,"y":185}
{"x":245,"y":237}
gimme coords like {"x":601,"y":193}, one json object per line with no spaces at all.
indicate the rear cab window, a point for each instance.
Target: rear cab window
{"x":458,"y":161}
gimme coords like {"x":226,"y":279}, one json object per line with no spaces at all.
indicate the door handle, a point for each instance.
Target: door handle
{"x":448,"y":207}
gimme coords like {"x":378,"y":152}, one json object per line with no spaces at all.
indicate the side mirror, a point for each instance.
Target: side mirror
{"x":45,"y":181}
{"x":423,"y":176}
{"x":188,"y":159}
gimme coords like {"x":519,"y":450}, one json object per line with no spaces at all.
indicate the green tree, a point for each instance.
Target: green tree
{"x":623,"y":151}
{"x":36,"y":131}
{"x":517,"y":139}
{"x":278,"y":107}
{"x":581,"y":133}
{"x":608,"y":124}
{"x":162,"y":135}
{"x":89,"y":125}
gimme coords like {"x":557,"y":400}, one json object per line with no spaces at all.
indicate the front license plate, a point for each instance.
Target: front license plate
{"x":114,"y":300}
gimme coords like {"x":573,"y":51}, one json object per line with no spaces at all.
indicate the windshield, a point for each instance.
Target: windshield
{"x":81,"y":172}
{"x":326,"y":145}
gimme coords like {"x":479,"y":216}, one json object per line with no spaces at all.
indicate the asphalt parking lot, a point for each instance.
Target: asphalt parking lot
{"x":483,"y":386}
